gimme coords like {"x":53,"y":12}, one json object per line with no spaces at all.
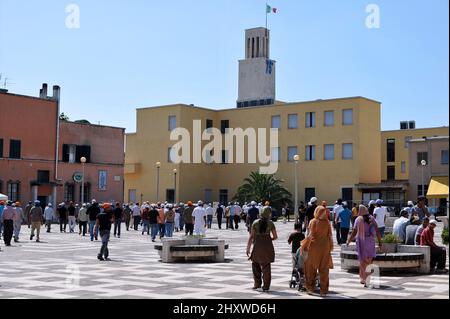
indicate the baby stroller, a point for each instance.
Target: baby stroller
{"x":298,"y":273}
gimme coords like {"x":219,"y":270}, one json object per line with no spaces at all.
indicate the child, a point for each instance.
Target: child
{"x":295,"y":239}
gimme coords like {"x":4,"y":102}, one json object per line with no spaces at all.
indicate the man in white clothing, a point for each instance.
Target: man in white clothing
{"x":209,"y":215}
{"x":48,"y":216}
{"x":136,"y":216}
{"x":199,"y":215}
{"x":380,"y":215}
{"x":17,"y":220}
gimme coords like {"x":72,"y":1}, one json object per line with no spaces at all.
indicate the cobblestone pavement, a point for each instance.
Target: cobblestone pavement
{"x":65,"y":266}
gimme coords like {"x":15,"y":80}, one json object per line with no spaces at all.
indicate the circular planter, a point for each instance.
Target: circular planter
{"x":389,"y":248}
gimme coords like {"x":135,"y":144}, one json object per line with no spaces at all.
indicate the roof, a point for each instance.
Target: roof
{"x":277,"y":104}
{"x":90,"y":124}
{"x":432,"y":138}
{"x":416,"y":129}
{"x":48,"y":99}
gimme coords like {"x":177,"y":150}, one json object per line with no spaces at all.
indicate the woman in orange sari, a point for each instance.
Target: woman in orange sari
{"x":318,"y":247}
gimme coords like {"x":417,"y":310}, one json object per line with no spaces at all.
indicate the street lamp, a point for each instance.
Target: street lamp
{"x":158,"y":166}
{"x":83,"y":162}
{"x":296,"y":160}
{"x":175,"y":185}
{"x":423,"y":163}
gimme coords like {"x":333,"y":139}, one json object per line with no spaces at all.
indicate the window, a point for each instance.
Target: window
{"x":1,"y":148}
{"x":422,"y":156}
{"x":347,"y":151}
{"x":403,"y":167}
{"x":172,"y":122}
{"x":329,"y":118}
{"x":83,"y":151}
{"x":69,"y":192}
{"x":276,"y":122}
{"x":223,"y":196}
{"x":87,"y":193}
{"x":14,"y":149}
{"x":276,"y":156}
{"x":391,"y":173}
{"x":292,"y":121}
{"x":43,"y":177}
{"x":208,"y":195}
{"x":367,"y":197}
{"x":309,"y":193}
{"x":310,"y":120}
{"x":132,"y":196}
{"x":14,"y":191}
{"x":170,"y":195}
{"x":444,"y":157}
{"x":328,"y":152}
{"x":73,"y":153}
{"x":347,"y":117}
{"x":407,"y":139}
{"x":224,"y":126}
{"x":292,"y":151}
{"x":347,"y":195}
{"x":102,"y":180}
{"x":390,"y":150}
{"x":310,"y":153}
{"x":72,"y":149}
{"x":209,"y":125}
{"x":69,"y":153}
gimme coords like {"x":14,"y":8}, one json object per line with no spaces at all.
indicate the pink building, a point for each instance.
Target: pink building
{"x":40,"y":155}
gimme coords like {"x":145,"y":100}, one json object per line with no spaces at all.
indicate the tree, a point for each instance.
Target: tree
{"x":261,"y":188}
{"x":63,"y":117}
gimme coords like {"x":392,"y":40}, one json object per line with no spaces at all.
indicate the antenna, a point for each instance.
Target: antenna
{"x":5,"y":81}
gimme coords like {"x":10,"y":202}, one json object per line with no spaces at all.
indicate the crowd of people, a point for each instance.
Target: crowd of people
{"x":312,"y":237}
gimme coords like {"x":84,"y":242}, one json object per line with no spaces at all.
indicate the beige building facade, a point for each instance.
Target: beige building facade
{"x":338,"y":142}
{"x":433,"y":152}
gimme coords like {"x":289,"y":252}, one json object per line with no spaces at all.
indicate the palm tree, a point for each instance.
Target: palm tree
{"x":261,"y":188}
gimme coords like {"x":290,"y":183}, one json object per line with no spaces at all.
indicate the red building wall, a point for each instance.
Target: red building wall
{"x":32,"y":121}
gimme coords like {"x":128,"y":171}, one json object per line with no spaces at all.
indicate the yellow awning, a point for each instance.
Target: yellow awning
{"x":438,"y":187}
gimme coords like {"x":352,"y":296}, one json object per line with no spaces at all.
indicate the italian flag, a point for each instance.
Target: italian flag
{"x":270,"y":9}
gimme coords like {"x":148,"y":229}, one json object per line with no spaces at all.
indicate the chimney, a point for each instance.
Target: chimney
{"x":43,"y":91}
{"x":56,"y":92}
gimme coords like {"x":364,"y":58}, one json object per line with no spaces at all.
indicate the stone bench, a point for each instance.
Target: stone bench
{"x":191,"y":249}
{"x":405,"y":257}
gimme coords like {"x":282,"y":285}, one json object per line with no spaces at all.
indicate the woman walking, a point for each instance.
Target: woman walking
{"x":263,"y":253}
{"x":318,"y":247}
{"x":365,"y":230}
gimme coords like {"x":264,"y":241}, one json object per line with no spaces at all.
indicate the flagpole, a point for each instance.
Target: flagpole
{"x":266,"y":15}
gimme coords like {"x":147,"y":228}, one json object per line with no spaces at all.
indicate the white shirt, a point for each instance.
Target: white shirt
{"x":209,"y":211}
{"x":336,"y":210}
{"x":136,"y":211}
{"x":48,"y":213}
{"x":397,"y":229}
{"x":380,"y":213}
{"x":199,"y":213}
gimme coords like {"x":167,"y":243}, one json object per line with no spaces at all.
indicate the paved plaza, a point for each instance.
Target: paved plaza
{"x":65,"y":266}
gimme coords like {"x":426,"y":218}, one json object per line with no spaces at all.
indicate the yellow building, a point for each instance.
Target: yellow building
{"x":350,"y":123}
{"x":343,"y":151}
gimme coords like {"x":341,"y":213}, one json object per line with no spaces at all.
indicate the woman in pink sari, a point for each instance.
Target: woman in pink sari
{"x":365,"y":230}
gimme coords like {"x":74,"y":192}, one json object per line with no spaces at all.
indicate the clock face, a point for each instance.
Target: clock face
{"x":77,"y":177}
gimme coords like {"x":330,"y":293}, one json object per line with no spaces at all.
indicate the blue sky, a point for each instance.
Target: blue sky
{"x":130,"y":54}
